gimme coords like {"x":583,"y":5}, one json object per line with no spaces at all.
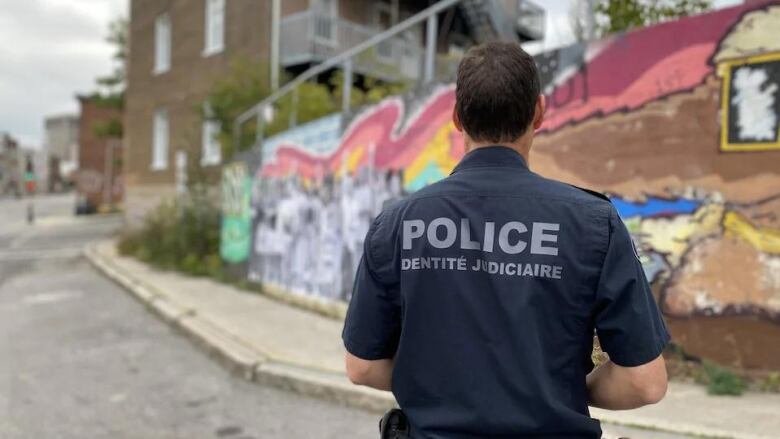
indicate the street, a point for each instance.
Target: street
{"x":82,"y":359}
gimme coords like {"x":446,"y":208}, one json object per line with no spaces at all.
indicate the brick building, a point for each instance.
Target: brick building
{"x":179,"y":47}
{"x":99,"y":180}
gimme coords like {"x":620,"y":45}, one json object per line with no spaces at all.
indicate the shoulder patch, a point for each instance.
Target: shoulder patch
{"x":592,"y":192}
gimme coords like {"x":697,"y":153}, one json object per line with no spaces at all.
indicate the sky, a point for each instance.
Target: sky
{"x":51,"y":50}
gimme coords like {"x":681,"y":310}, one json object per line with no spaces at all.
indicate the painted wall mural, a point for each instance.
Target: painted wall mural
{"x":679,"y":123}
{"x":235,"y":234}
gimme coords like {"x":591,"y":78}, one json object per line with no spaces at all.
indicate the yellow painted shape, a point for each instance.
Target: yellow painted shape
{"x":354,"y":158}
{"x":436,"y":151}
{"x":350,"y":163}
{"x":672,"y":236}
{"x":762,"y":238}
{"x":752,"y":34}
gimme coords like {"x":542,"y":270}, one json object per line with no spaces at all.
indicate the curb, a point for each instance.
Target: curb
{"x":236,"y":356}
{"x":253,"y":365}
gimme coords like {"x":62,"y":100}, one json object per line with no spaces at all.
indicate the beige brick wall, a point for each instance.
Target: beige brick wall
{"x":182,"y":89}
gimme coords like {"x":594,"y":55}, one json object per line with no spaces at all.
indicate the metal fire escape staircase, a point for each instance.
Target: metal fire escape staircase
{"x":487,"y":20}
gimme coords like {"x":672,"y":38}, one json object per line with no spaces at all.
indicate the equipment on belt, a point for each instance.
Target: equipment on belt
{"x":394,"y":425}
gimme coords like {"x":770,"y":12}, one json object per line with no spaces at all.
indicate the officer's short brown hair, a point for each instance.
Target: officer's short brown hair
{"x":496,"y":92}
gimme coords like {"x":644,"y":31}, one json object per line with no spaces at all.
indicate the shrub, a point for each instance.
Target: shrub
{"x":721,"y":381}
{"x":771,"y":383}
{"x":180,"y":234}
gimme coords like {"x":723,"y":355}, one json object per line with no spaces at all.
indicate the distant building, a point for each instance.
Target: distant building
{"x":62,"y":142}
{"x":99,"y":174}
{"x":10,"y":162}
{"x":178,"y":48}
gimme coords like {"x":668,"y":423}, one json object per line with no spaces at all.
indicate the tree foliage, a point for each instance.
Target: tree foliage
{"x":117,"y":37}
{"x":111,"y":88}
{"x":622,"y":15}
{"x":247,"y":83}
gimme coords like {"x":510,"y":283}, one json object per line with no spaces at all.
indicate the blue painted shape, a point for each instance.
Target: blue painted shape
{"x":655,"y":207}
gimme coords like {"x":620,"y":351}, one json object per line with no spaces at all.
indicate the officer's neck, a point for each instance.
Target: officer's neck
{"x":522,"y":145}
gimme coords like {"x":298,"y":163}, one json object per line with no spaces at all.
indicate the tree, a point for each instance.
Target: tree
{"x":622,"y":15}
{"x":247,"y":83}
{"x":118,"y":37}
{"x":111,"y":88}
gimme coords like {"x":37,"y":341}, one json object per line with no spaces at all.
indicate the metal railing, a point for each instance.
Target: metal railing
{"x":349,"y":60}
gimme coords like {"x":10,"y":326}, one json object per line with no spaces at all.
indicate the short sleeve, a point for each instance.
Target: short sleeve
{"x":628,"y":322}
{"x":373,"y":324}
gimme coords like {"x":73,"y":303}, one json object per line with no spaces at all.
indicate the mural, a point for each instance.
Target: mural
{"x":678,"y":123}
{"x":235,"y":236}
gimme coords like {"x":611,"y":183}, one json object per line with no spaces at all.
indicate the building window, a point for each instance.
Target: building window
{"x":215,"y":27}
{"x":160,"y":139}
{"x":325,"y":15}
{"x":162,"y":44}
{"x":750,"y":104}
{"x":211,"y":152}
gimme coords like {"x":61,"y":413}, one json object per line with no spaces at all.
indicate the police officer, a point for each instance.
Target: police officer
{"x":478,"y":296}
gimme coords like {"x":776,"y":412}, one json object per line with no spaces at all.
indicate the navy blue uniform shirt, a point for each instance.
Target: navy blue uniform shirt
{"x":486,"y":288}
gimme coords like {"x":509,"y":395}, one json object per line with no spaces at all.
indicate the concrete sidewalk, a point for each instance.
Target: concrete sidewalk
{"x":275,"y":343}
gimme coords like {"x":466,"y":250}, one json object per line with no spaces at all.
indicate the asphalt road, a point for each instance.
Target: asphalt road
{"x":80,"y":359}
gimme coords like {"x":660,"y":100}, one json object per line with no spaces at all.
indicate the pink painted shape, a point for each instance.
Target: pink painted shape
{"x":682,"y":70}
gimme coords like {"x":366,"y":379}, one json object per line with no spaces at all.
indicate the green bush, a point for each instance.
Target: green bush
{"x":181,"y":234}
{"x":771,"y":383}
{"x":247,"y":83}
{"x":721,"y":381}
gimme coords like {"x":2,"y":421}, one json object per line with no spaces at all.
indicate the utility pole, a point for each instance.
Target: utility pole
{"x":431,"y":28}
{"x":276,"y":16}
{"x":590,"y":20}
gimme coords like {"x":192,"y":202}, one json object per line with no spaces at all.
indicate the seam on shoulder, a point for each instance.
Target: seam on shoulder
{"x":412,"y":199}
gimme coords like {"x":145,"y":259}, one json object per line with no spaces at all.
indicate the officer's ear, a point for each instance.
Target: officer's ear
{"x":541,"y":107}
{"x":456,"y":119}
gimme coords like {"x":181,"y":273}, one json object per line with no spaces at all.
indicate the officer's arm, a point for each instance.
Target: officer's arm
{"x":614,"y":387}
{"x":372,"y":327}
{"x":630,"y":329}
{"x":372,"y":373}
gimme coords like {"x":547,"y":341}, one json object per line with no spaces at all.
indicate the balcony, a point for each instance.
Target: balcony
{"x":530,"y":21}
{"x":310,"y":38}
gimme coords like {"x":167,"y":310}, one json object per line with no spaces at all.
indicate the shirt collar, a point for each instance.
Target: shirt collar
{"x":492,"y":156}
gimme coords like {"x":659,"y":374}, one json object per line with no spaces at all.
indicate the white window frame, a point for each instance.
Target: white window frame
{"x":162,"y":44}
{"x":331,"y":14}
{"x":160,"y":139}
{"x":214,"y":27}
{"x":211,"y":150}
